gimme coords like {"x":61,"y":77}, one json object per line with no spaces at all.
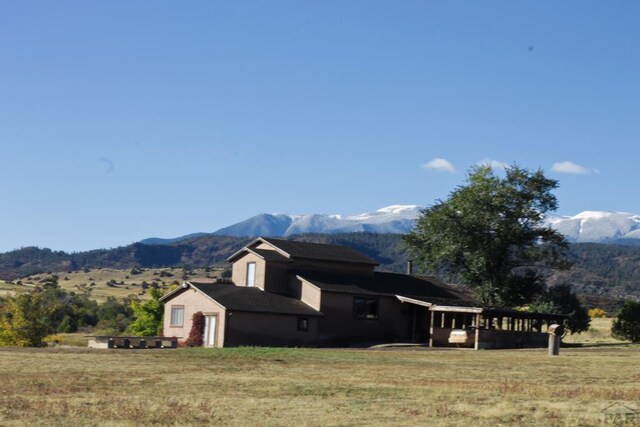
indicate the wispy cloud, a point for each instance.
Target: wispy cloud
{"x":572,"y":168}
{"x":438,"y":164}
{"x":493,"y":164}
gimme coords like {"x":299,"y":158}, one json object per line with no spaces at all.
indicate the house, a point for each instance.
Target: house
{"x":291,"y":293}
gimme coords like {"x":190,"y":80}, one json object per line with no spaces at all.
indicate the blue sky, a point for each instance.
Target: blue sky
{"x":123,"y":120}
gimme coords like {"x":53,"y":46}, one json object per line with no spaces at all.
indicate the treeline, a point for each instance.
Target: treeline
{"x":27,"y":317}
{"x":599,"y":270}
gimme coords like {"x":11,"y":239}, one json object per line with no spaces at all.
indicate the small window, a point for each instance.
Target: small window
{"x":177,"y":315}
{"x":303,"y":324}
{"x":251,"y":274}
{"x":365,"y":308}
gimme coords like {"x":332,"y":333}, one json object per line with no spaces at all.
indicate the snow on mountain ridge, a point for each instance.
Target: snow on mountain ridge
{"x":597,"y":226}
{"x":587,"y":226}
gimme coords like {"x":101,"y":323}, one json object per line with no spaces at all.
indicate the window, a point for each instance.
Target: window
{"x":303,"y":324}
{"x":365,"y":308}
{"x":177,"y":315}
{"x":251,"y":274}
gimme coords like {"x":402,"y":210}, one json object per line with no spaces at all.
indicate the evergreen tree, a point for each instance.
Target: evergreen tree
{"x":626,"y":325}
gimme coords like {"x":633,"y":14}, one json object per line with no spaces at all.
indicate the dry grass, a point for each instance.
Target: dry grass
{"x":262,"y":386}
{"x":97,"y":281}
{"x":599,"y":333}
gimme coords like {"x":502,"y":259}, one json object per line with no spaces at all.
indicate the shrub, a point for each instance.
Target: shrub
{"x":626,"y":325}
{"x":597,"y":313}
{"x":197,"y":330}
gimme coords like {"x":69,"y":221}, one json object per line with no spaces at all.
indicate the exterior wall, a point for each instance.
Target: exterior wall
{"x":493,"y":338}
{"x":276,"y":277}
{"x":306,"y":292}
{"x":269,"y":330}
{"x":239,"y":270}
{"x":193,"y":301}
{"x":334,"y":267}
{"x":496,"y":338}
{"x":339,"y":327}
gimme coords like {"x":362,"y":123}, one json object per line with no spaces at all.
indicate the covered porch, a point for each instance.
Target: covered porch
{"x":486,"y":328}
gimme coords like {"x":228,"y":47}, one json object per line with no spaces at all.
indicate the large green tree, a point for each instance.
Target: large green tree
{"x":490,"y":235}
{"x":148,"y":315}
{"x":24,"y":320}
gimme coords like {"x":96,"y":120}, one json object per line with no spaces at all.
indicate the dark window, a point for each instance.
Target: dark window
{"x":365,"y":308}
{"x":303,"y":324}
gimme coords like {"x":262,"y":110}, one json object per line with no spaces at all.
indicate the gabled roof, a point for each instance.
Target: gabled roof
{"x":388,"y":284}
{"x":291,"y":249}
{"x":268,"y":255}
{"x":320,"y":251}
{"x":240,"y":298}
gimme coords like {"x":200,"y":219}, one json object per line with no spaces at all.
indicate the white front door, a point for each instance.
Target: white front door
{"x":210,"y":330}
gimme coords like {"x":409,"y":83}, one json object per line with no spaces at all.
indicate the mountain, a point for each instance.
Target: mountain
{"x":586,"y":227}
{"x":259,"y":225}
{"x":397,"y":219}
{"x":599,"y":227}
{"x":161,"y":241}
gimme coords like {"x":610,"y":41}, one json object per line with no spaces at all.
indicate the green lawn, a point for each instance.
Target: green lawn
{"x":264,"y":386}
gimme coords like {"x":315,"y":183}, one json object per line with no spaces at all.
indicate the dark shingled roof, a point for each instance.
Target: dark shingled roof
{"x":269,"y":255}
{"x":320,"y":251}
{"x":240,"y":298}
{"x":427,"y":289}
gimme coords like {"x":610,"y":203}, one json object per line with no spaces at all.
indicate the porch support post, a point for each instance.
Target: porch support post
{"x":477,"y":338}
{"x":431,"y":328}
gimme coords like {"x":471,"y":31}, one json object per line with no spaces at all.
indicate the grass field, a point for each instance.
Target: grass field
{"x":263,"y":386}
{"x":104,"y":282}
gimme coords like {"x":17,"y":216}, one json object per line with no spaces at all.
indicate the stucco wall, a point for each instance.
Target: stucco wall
{"x":269,"y":330}
{"x":339,"y":327}
{"x":239,"y":270}
{"x":306,"y":292}
{"x":193,"y":301}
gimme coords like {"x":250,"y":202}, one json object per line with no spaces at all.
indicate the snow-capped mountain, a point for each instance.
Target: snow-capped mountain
{"x":392,"y":219}
{"x":588,"y":226}
{"x":599,"y":227}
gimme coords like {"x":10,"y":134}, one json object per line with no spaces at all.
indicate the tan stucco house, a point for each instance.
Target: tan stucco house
{"x":291,"y":293}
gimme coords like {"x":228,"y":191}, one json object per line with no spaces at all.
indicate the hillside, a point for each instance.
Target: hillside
{"x":600,"y":271}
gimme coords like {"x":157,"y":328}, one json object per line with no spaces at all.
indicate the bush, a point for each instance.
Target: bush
{"x":626,"y":325}
{"x":197,"y":330}
{"x":597,"y":313}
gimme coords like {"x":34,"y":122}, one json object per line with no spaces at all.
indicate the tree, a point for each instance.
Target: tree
{"x":561,"y":299}
{"x":148,"y":315}
{"x":23,"y":322}
{"x":490,"y":235}
{"x":626,"y":325}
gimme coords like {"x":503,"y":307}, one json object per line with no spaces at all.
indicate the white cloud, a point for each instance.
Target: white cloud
{"x":438,"y":164}
{"x":493,"y":164}
{"x":572,"y":168}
